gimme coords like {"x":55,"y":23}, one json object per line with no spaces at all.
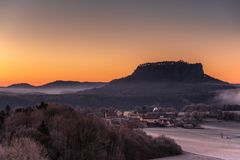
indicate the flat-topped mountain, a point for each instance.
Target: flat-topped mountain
{"x":169,"y":71}
{"x":166,"y":83}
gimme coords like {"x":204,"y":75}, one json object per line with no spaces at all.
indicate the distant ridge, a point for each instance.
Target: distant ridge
{"x":56,"y":84}
{"x":21,"y":85}
{"x":53,"y":88}
{"x":70,"y":84}
{"x":60,"y":83}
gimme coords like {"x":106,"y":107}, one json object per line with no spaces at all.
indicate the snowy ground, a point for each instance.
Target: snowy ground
{"x":207,"y":141}
{"x":189,"y":156}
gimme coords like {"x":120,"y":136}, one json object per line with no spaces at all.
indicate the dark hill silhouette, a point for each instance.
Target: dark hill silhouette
{"x":71,"y":84}
{"x":57,"y":87}
{"x":151,"y":79}
{"x":167,"y":83}
{"x":169,"y":71}
{"x":21,"y":85}
{"x":58,"y":84}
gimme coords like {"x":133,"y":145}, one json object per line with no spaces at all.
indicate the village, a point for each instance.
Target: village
{"x":154,"y":116}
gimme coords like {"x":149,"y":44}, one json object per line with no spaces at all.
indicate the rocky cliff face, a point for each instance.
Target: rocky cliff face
{"x":169,"y":71}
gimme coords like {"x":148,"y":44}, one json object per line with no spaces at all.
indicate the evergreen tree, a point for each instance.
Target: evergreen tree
{"x":42,"y":105}
{"x":8,"y":110}
{"x":43,"y":128}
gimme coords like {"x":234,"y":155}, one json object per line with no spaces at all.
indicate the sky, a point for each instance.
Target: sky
{"x":93,"y":40}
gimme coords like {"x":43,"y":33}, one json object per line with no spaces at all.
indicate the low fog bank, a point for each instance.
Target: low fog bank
{"x":231,"y":96}
{"x":43,"y":91}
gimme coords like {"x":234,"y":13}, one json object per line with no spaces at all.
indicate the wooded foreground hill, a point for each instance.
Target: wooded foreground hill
{"x":56,"y":132}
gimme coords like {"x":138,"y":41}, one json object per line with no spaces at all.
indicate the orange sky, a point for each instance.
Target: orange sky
{"x":37,"y":47}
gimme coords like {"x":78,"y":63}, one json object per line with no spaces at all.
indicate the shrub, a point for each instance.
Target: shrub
{"x":23,"y":149}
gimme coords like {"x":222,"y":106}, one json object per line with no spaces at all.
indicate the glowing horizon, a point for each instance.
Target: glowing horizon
{"x":90,"y":40}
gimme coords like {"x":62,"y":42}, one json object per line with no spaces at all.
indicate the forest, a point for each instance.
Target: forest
{"x":57,"y":132}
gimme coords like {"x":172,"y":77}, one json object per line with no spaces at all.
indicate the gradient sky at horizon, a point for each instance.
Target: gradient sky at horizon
{"x":100,"y":40}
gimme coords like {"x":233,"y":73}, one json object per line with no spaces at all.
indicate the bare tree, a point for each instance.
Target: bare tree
{"x":23,"y":149}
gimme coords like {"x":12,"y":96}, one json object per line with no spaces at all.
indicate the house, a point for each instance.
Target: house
{"x":155,"y":109}
{"x":171,"y":114}
{"x":112,"y":113}
{"x":127,"y":113}
{"x":159,"y":119}
{"x":132,"y":115}
{"x":149,"y":119}
{"x":181,"y":114}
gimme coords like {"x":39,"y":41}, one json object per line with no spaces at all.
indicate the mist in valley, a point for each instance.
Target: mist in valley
{"x":231,"y":96}
{"x":51,"y":91}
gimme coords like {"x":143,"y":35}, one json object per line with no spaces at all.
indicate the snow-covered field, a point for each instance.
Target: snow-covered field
{"x":207,"y":141}
{"x":188,"y":156}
